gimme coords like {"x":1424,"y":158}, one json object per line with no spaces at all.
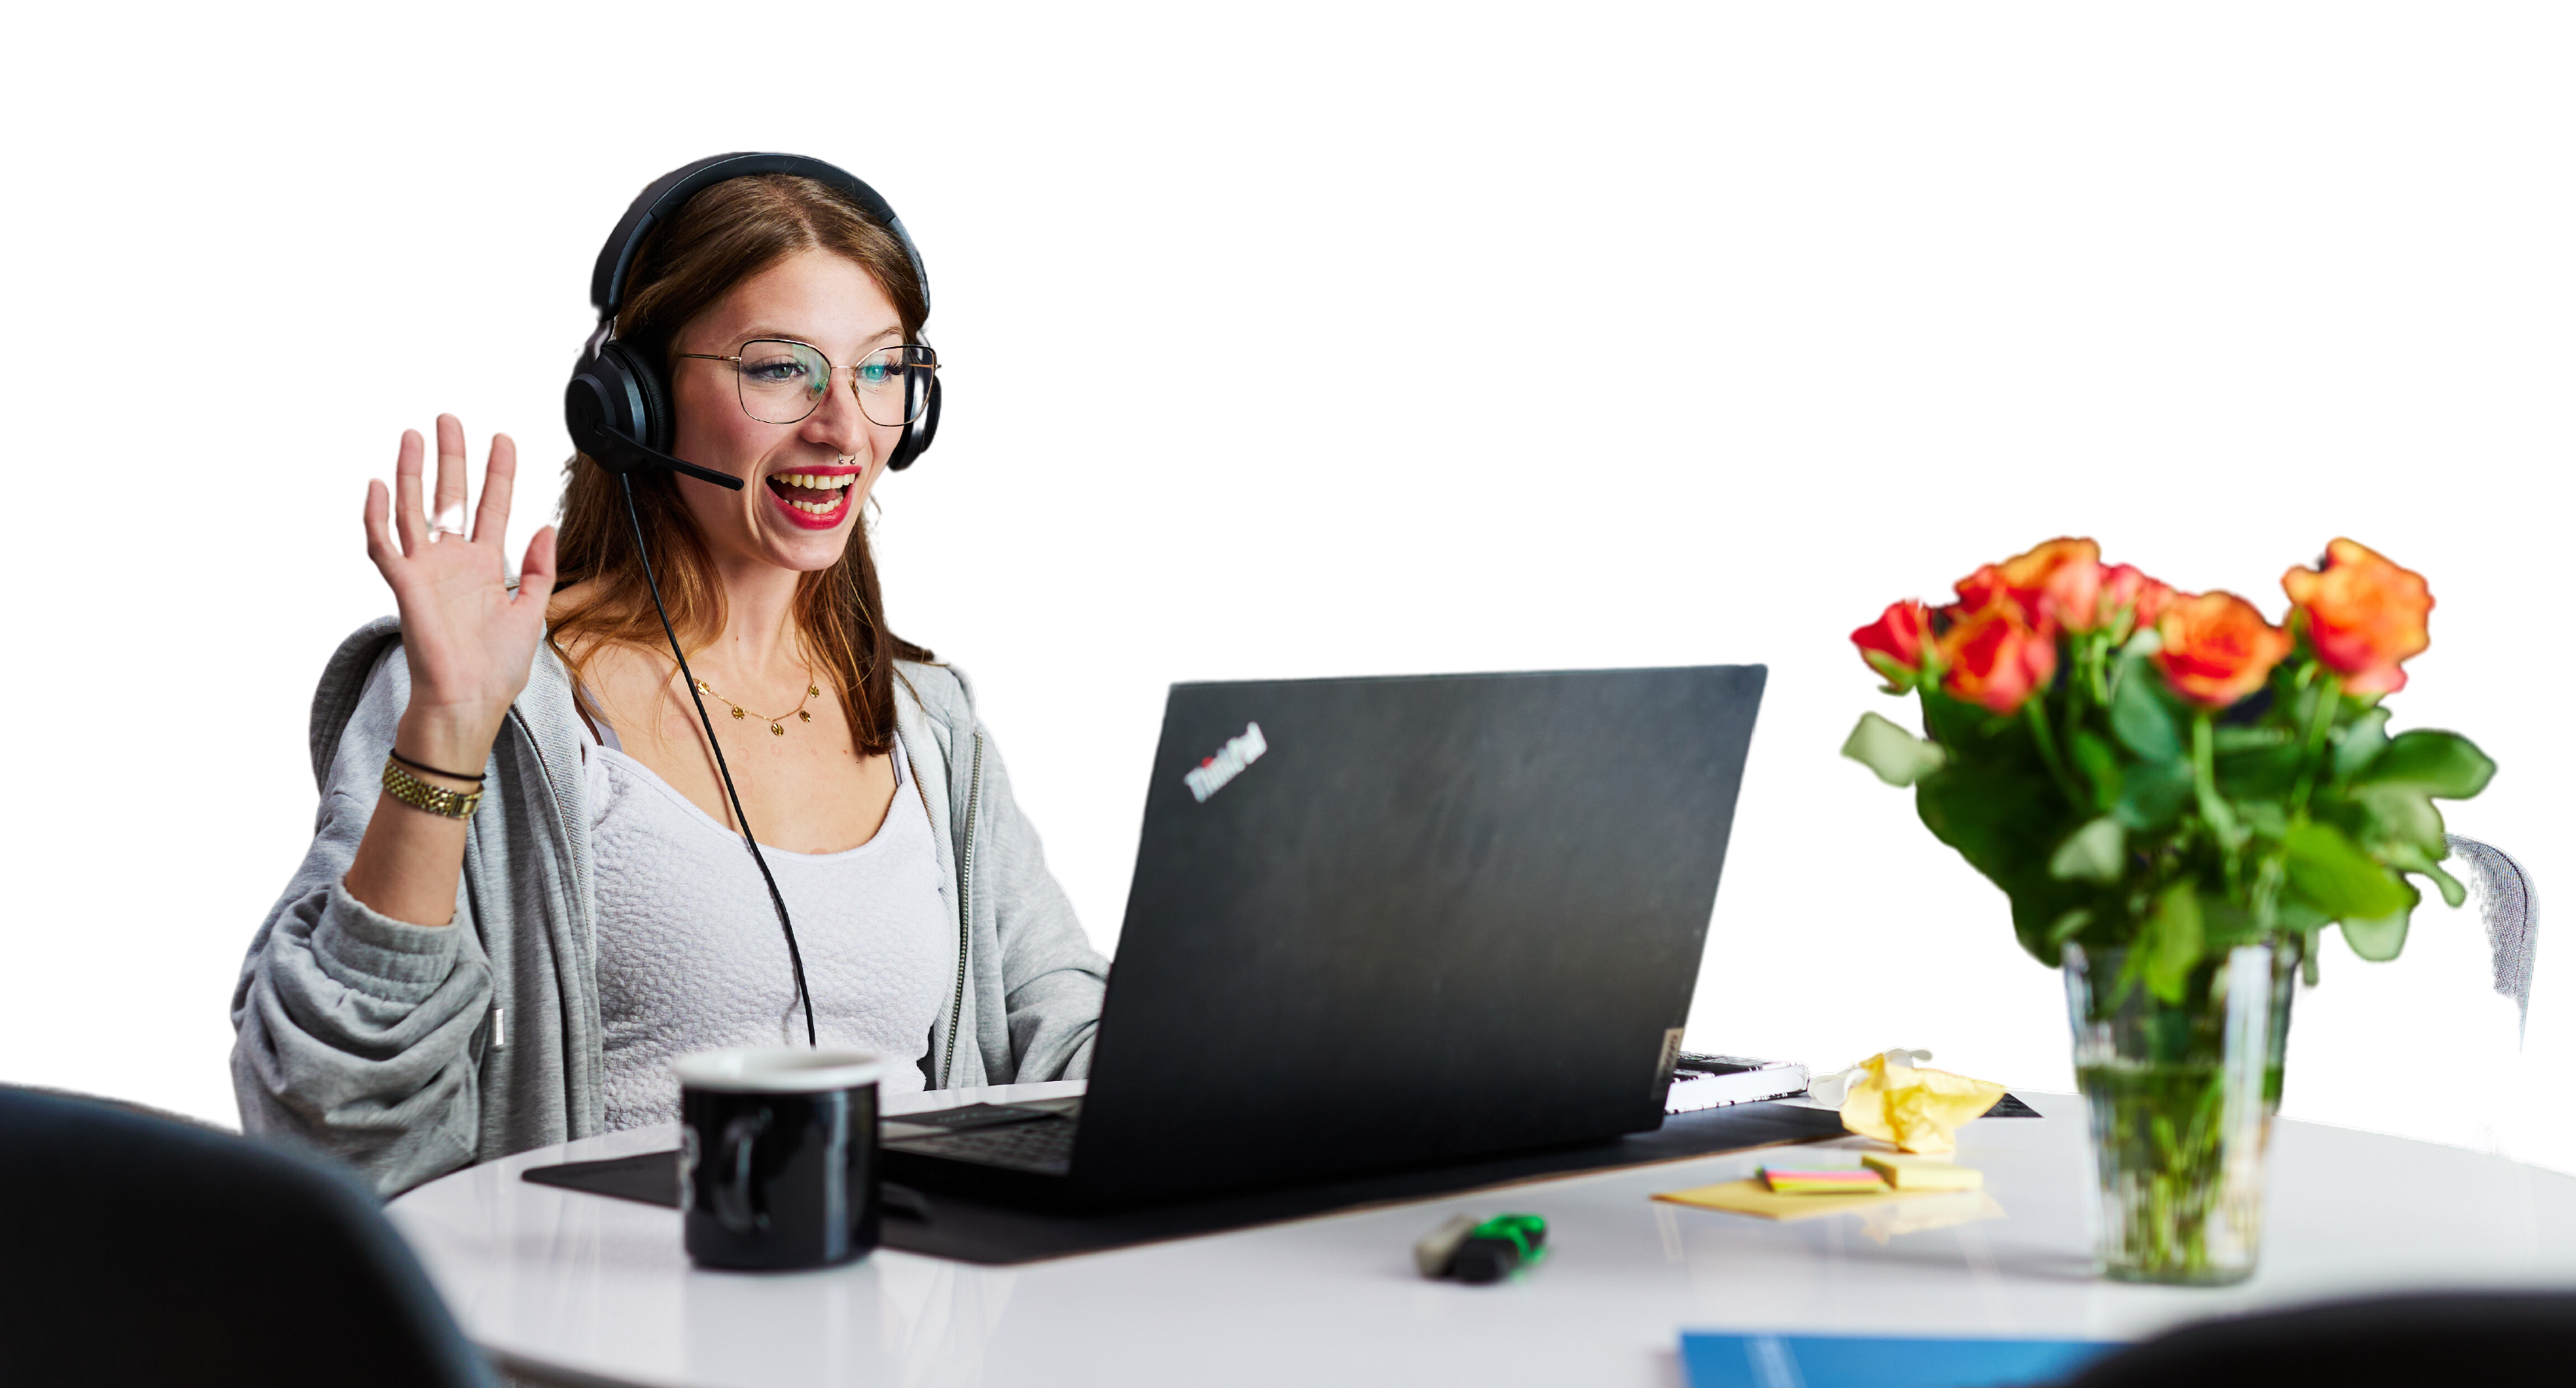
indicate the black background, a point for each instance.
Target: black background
{"x":1467,"y":392}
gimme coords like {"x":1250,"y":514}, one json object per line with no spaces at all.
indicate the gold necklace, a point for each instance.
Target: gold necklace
{"x":777,"y":725}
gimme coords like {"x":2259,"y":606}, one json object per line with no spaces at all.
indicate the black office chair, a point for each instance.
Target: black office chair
{"x":2435,"y":1340}
{"x":140,"y":1248}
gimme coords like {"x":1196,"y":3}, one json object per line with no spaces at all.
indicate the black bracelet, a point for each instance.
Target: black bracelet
{"x":432,"y":770}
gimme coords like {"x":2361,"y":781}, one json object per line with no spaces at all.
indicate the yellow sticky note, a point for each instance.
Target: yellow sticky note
{"x":1923,"y":1173}
{"x":1750,"y":1198}
{"x":1919,"y":1110}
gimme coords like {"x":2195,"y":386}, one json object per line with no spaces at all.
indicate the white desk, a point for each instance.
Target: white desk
{"x":577,"y":1282}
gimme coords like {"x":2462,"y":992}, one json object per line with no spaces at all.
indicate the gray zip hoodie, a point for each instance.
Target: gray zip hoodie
{"x":409,"y":1051}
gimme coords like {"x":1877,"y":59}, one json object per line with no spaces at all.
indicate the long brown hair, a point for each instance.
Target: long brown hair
{"x":721,"y":237}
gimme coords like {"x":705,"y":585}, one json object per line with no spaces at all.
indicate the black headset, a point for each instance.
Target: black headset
{"x":618,"y":408}
{"x":618,"y":405}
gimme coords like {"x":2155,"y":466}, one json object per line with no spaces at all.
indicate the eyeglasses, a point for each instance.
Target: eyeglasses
{"x":782,"y":382}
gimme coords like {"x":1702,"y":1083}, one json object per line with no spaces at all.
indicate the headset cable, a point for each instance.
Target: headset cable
{"x":795,"y":958}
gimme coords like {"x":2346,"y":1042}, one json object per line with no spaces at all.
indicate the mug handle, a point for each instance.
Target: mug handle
{"x":733,"y":1183}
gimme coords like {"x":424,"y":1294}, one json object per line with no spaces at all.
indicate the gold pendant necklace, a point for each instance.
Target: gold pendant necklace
{"x":777,"y":725}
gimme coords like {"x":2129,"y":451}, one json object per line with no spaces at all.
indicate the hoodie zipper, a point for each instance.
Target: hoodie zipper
{"x":965,"y":913}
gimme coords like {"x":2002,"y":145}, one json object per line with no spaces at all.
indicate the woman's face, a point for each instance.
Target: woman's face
{"x":803,"y":482}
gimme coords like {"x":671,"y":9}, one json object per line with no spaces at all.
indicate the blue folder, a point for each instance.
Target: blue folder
{"x":1849,"y":1361}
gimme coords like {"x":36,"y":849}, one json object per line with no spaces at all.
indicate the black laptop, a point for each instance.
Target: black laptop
{"x":1387,"y":922}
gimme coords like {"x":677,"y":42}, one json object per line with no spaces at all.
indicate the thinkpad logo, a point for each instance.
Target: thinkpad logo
{"x":1210,"y":776}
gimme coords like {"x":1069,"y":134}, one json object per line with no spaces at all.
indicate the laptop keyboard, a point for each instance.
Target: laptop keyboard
{"x":1045,"y":1147}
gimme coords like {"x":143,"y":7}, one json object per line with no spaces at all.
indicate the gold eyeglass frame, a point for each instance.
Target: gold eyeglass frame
{"x":829,"y":371}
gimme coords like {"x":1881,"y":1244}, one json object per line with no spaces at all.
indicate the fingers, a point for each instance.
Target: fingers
{"x":450,"y":514}
{"x":407,"y":517}
{"x":537,"y":571}
{"x":492,"y":518}
{"x":380,"y":536}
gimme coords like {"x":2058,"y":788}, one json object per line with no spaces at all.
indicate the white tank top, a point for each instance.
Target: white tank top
{"x":691,"y":957}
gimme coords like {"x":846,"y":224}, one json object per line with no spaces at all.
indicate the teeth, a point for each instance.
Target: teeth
{"x":817,"y":508}
{"x":817,"y":481}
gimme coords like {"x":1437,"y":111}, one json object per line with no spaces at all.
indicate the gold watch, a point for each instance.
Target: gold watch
{"x":421,"y":795}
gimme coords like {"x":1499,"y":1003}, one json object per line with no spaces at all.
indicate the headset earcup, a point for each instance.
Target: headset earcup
{"x":601,"y":407}
{"x":586,"y":410}
{"x":609,"y":407}
{"x":917,"y":437}
{"x":652,"y":398}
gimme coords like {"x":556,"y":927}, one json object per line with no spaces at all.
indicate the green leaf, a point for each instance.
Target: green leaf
{"x":2268,"y":773}
{"x":2265,"y":818}
{"x":2453,"y":894}
{"x":2064,"y":927}
{"x":1997,"y":806}
{"x":2095,"y":853}
{"x":2152,"y":793}
{"x":2299,"y":918}
{"x":2379,"y":938}
{"x":2359,"y":745}
{"x":2101,"y":768}
{"x":2435,"y":763}
{"x":2140,"y":720}
{"x":2332,"y":874}
{"x":2403,"y":816}
{"x":2170,"y":943}
{"x":2224,"y":925}
{"x":1899,"y":757}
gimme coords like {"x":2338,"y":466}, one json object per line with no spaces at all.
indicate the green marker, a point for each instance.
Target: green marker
{"x":1467,"y":1249}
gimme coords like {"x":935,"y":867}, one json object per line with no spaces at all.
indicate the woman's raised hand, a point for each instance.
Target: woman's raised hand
{"x":468,"y":640}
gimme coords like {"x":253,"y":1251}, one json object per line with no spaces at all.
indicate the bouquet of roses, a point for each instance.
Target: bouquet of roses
{"x":2170,"y":773}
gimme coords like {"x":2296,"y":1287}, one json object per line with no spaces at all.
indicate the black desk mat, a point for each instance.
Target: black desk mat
{"x":977,"y":1231}
{"x":944,"y":1225}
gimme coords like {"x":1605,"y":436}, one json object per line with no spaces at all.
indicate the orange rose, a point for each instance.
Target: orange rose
{"x":1893,"y":645}
{"x":2217,"y":648}
{"x":1996,"y":658}
{"x":2057,"y":584}
{"x":2363,"y":615}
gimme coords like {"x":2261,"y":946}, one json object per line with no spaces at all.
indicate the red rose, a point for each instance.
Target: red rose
{"x":1995,"y":658}
{"x":2363,"y":615}
{"x":2057,"y":584}
{"x":1894,"y":644}
{"x":2217,"y":648}
{"x":2124,"y":587}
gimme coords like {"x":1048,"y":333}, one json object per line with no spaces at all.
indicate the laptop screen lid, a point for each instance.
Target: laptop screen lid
{"x":1378,"y":922}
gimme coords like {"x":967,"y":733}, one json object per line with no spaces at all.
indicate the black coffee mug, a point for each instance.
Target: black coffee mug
{"x":778,"y":1157}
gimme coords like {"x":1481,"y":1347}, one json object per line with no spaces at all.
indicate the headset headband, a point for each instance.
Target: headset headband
{"x":608,"y":278}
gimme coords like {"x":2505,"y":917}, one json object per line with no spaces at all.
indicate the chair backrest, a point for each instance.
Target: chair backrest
{"x":136,"y":1248}
{"x":2438,"y":1338}
{"x":2503,"y":894}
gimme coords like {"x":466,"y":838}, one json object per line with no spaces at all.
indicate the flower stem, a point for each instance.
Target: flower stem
{"x":2329,"y":696}
{"x":2037,"y":716}
{"x":2204,"y":784}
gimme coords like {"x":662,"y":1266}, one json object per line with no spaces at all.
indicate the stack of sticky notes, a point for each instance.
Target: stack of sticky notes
{"x":1904,"y":1172}
{"x":1788,"y":1193}
{"x":1784,"y":1180}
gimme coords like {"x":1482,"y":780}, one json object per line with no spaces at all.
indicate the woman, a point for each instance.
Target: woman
{"x":433,"y":991}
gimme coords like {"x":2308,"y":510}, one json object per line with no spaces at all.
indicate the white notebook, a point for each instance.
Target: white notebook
{"x":1715,"y":1081}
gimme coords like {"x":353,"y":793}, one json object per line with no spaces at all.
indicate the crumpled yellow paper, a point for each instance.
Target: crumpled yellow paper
{"x":1920,"y":1110}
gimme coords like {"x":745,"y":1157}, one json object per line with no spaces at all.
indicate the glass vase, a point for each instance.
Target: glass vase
{"x":2182,"y":1094}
